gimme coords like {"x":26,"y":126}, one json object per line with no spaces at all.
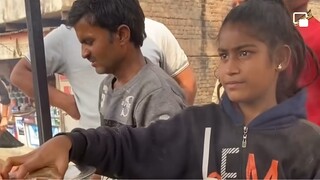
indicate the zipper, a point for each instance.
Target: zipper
{"x":243,"y":153}
{"x":244,"y":137}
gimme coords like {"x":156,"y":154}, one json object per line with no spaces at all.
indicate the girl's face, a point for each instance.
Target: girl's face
{"x":246,"y":71}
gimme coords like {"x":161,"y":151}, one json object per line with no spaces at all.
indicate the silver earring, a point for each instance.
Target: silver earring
{"x":279,"y":67}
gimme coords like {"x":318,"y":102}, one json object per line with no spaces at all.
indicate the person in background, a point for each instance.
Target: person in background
{"x":5,"y":104}
{"x":258,"y":131}
{"x":63,"y":56}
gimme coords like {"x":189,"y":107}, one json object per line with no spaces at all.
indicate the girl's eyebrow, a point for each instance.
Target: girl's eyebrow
{"x":238,"y":47}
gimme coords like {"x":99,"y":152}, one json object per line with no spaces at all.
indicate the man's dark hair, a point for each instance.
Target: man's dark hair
{"x":110,"y":14}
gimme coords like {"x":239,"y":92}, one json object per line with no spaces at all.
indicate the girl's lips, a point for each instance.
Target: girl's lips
{"x":233,"y":85}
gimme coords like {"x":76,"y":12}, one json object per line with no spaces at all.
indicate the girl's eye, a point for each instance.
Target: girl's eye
{"x":88,"y":42}
{"x":244,"y":53}
{"x":223,"y":56}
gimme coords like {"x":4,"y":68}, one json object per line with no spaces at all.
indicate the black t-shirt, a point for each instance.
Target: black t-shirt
{"x":4,"y":94}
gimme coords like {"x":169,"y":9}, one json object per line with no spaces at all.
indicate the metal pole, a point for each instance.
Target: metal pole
{"x":35,"y":35}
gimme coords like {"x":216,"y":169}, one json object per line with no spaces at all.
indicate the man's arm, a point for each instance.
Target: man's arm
{"x":4,"y":111}
{"x":21,"y":77}
{"x":4,"y":118}
{"x":187,"y":81}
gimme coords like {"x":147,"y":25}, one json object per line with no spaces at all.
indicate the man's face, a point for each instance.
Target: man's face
{"x":99,"y":46}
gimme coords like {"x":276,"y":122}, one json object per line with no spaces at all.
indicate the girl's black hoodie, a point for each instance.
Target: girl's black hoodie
{"x":208,"y":141}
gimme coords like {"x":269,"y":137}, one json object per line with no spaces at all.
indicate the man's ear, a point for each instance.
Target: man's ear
{"x":124,"y":34}
{"x":282,"y":57}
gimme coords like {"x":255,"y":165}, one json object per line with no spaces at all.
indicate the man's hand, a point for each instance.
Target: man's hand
{"x":70,"y":107}
{"x":53,"y":155}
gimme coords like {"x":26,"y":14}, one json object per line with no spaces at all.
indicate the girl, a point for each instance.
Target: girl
{"x":258,"y":130}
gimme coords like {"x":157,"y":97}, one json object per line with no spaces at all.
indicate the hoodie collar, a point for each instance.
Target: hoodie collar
{"x":280,"y":116}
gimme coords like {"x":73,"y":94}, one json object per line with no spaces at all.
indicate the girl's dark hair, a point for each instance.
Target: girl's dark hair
{"x":110,"y":14}
{"x":270,"y":22}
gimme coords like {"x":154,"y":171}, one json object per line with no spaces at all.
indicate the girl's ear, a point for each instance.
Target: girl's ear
{"x":283,"y":57}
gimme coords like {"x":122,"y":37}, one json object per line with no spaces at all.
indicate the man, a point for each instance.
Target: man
{"x":136,"y":92}
{"x":63,"y":56}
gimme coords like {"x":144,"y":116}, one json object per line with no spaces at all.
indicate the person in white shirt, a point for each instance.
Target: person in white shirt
{"x":63,"y":56}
